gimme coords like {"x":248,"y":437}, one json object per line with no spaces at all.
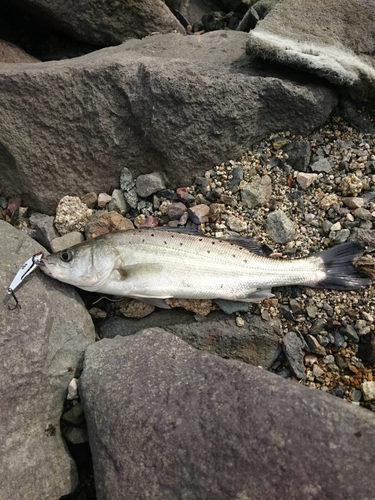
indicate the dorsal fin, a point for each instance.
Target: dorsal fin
{"x":248,"y":243}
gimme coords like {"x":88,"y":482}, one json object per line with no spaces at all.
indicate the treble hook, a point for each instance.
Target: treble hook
{"x":27,"y":268}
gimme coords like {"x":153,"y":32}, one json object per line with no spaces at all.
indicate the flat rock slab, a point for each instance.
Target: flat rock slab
{"x":41,"y":347}
{"x":257,"y":342}
{"x":333,"y":39}
{"x":170,"y":103}
{"x":167,"y":421}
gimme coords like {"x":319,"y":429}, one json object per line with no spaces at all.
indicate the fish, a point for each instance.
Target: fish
{"x":154,"y":265}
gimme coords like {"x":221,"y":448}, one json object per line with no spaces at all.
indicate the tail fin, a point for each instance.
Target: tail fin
{"x":339,"y":268}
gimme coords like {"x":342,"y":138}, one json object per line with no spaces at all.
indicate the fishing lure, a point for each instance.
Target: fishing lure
{"x":27,"y":268}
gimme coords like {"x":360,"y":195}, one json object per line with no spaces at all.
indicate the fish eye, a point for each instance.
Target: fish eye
{"x":67,"y":256}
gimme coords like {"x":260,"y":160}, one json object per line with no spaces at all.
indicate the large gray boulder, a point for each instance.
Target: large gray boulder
{"x":41,"y":348}
{"x":102,"y":22}
{"x":333,"y":39}
{"x":257,"y":342}
{"x":166,"y":421}
{"x":167,"y":103}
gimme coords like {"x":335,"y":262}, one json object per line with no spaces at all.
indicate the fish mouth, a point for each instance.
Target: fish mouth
{"x":45,"y":268}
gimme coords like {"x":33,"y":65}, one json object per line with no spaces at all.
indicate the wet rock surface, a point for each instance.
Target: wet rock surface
{"x":154,"y":401}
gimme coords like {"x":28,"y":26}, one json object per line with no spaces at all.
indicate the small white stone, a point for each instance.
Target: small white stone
{"x":103,"y":199}
{"x":240,"y":321}
{"x":305,"y":180}
{"x":336,"y":226}
{"x":368,"y":390}
{"x":72,"y":389}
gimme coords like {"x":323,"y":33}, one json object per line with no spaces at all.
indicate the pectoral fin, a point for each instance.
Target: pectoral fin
{"x":139,"y":270}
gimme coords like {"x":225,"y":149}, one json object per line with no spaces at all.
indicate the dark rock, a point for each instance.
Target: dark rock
{"x":366,"y":348}
{"x":339,"y":391}
{"x":299,"y":154}
{"x":314,"y":346}
{"x":178,"y":421}
{"x":176,"y":210}
{"x":153,"y":88}
{"x":249,"y":21}
{"x":258,"y":342}
{"x":350,"y":332}
{"x":292,"y":347}
{"x":42,"y":346}
{"x":103,"y":23}
{"x":44,"y":227}
{"x":237,"y":177}
{"x":279,"y":227}
{"x":148,"y":184}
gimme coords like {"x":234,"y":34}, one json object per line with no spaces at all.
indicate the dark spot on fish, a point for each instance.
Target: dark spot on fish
{"x":358,"y":434}
{"x":181,"y":244}
{"x":143,"y":241}
{"x":165,"y":242}
{"x":200,"y":239}
{"x":233,"y":255}
{"x":213,"y":242}
{"x":172,"y":235}
{"x":152,"y":235}
{"x":245,"y":261}
{"x":208,"y":251}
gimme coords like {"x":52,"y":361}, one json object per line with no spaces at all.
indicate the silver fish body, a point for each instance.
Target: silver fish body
{"x":155,"y":264}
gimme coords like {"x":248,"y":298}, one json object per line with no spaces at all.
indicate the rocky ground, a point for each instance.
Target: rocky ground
{"x":298,"y":195}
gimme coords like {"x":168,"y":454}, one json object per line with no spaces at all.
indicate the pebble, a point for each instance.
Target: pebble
{"x":368,"y":390}
{"x":322,"y":165}
{"x":236,"y":224}
{"x":231,"y":306}
{"x":126,"y":180}
{"x":199,"y":213}
{"x":66,"y":241}
{"x":148,"y":184}
{"x":305,"y":180}
{"x":103,"y":199}
{"x":362,"y":213}
{"x":72,"y":389}
{"x":292,"y":347}
{"x":257,"y":193}
{"x":90,"y":199}
{"x":314,"y":346}
{"x":106,"y":222}
{"x":71,"y":215}
{"x":353,"y":202}
{"x":240,"y":322}
{"x":329,"y":359}
{"x":317,"y":371}
{"x":44,"y":227}
{"x":351,"y":185}
{"x":135,"y":309}
{"x":13,"y":205}
{"x":299,"y":154}
{"x":279,"y":227}
{"x":149,"y":221}
{"x":118,"y":203}
{"x":176,"y":210}
{"x":216,"y":211}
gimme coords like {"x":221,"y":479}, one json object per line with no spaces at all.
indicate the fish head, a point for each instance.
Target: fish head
{"x":87,"y":265}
